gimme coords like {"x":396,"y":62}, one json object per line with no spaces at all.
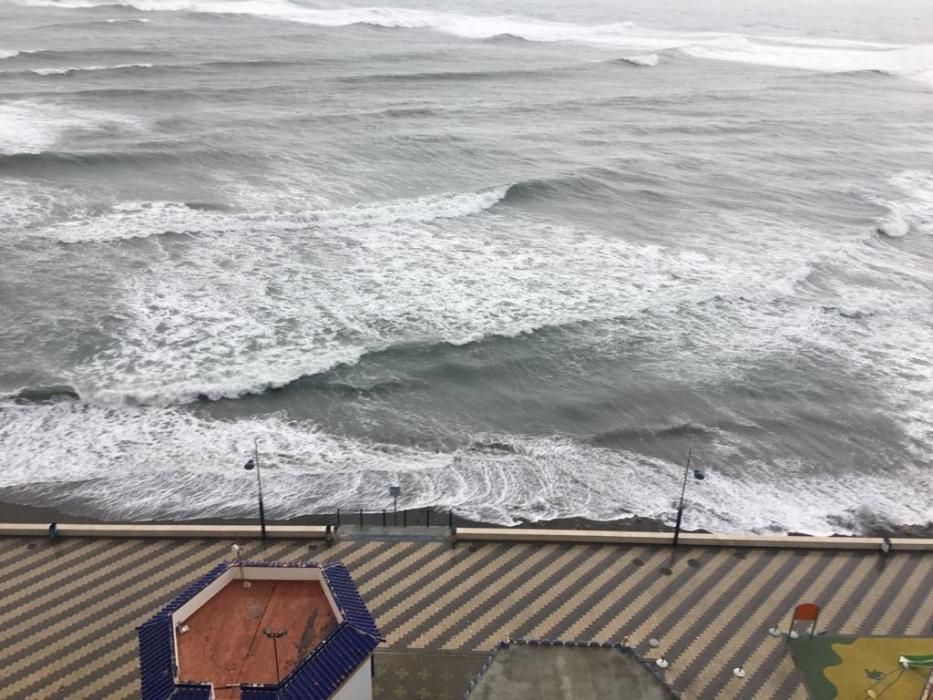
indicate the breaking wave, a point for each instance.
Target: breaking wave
{"x":830,"y":56}
{"x":143,"y":463}
{"x":914,"y":211}
{"x":806,"y":53}
{"x":28,"y":127}
{"x":647,"y":61}
{"x":39,"y":394}
{"x":128,"y":220}
{"x":70,"y":70}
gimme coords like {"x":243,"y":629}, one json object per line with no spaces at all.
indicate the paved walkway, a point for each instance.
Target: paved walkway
{"x":68,"y":611}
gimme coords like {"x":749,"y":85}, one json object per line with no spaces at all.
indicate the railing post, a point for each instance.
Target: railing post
{"x":405,"y":518}
{"x":383,"y":517}
{"x":361,"y":517}
{"x":338,"y":517}
{"x":427,"y":517}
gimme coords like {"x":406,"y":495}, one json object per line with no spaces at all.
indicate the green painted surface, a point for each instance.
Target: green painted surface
{"x":812,"y":657}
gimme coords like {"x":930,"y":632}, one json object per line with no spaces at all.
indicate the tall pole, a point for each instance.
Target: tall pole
{"x":254,"y":463}
{"x":680,"y":505}
{"x":262,"y":510}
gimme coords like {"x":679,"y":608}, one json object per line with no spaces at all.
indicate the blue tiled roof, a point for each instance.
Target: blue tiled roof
{"x":324,"y":671}
{"x":156,"y":643}
{"x":192,"y":691}
{"x":348,"y":599}
{"x":155,"y":658}
{"x":318,"y":676}
{"x":337,"y":657}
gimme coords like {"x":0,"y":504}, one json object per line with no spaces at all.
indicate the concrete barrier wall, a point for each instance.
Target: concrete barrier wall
{"x":688,"y":539}
{"x":219,"y":531}
{"x":476,"y":534}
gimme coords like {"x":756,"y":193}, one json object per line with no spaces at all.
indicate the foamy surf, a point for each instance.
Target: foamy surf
{"x":804,"y":53}
{"x":35,"y":126}
{"x":366,"y":288}
{"x":685,"y":258}
{"x":915,"y":62}
{"x":143,"y":463}
{"x":913,"y":212}
{"x":128,"y":220}
{"x":647,"y":61}
{"x":70,"y":70}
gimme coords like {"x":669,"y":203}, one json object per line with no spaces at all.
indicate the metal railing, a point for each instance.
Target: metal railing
{"x":390,"y":517}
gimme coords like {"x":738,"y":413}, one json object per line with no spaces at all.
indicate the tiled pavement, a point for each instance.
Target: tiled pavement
{"x":68,"y":610}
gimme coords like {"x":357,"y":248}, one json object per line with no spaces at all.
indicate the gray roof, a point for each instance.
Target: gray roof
{"x":549,"y":670}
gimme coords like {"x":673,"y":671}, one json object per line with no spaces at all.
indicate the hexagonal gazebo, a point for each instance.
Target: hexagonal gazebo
{"x":257,"y":631}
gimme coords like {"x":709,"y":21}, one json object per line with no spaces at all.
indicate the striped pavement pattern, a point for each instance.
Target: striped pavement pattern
{"x":68,"y":611}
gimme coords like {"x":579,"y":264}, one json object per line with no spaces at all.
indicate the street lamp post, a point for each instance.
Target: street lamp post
{"x":395,"y":492}
{"x":254,"y":462}
{"x":699,"y":476}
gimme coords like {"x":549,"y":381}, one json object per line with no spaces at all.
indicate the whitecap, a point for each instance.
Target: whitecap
{"x":893,"y":226}
{"x":805,"y":52}
{"x":146,"y":463}
{"x":68,"y":70}
{"x":648,"y":61}
{"x":126,"y":220}
{"x":33,"y":127}
{"x":830,"y":56}
{"x":913,"y":212}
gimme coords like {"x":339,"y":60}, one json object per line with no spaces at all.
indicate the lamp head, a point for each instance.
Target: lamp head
{"x":249,"y":465}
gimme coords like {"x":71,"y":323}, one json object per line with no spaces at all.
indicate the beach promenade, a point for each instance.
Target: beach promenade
{"x":69,"y":609}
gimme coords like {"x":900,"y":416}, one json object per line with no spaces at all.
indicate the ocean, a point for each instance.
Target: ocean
{"x":518,"y":258}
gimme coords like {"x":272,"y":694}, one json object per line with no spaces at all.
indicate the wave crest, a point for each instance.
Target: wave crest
{"x":128,"y":220}
{"x":807,"y":53}
{"x":647,"y":61}
{"x":829,"y":56}
{"x":70,"y":70}
{"x":40,"y":394}
{"x":914,"y":211}
{"x":143,"y":463}
{"x":28,"y":127}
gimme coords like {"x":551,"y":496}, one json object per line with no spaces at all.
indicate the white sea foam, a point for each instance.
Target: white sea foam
{"x":255,"y":306}
{"x":913,"y":211}
{"x":258,"y":306}
{"x":27,"y":204}
{"x":127,"y":220}
{"x":139,"y":462}
{"x":68,"y":70}
{"x":33,"y":127}
{"x":914,"y":62}
{"x":648,"y":60}
{"x":806,"y":53}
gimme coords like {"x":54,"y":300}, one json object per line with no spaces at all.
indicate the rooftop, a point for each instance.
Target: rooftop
{"x":225,"y":644}
{"x":561,"y":672}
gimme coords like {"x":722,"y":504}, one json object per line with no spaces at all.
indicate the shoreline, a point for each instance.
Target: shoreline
{"x":18,"y":513}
